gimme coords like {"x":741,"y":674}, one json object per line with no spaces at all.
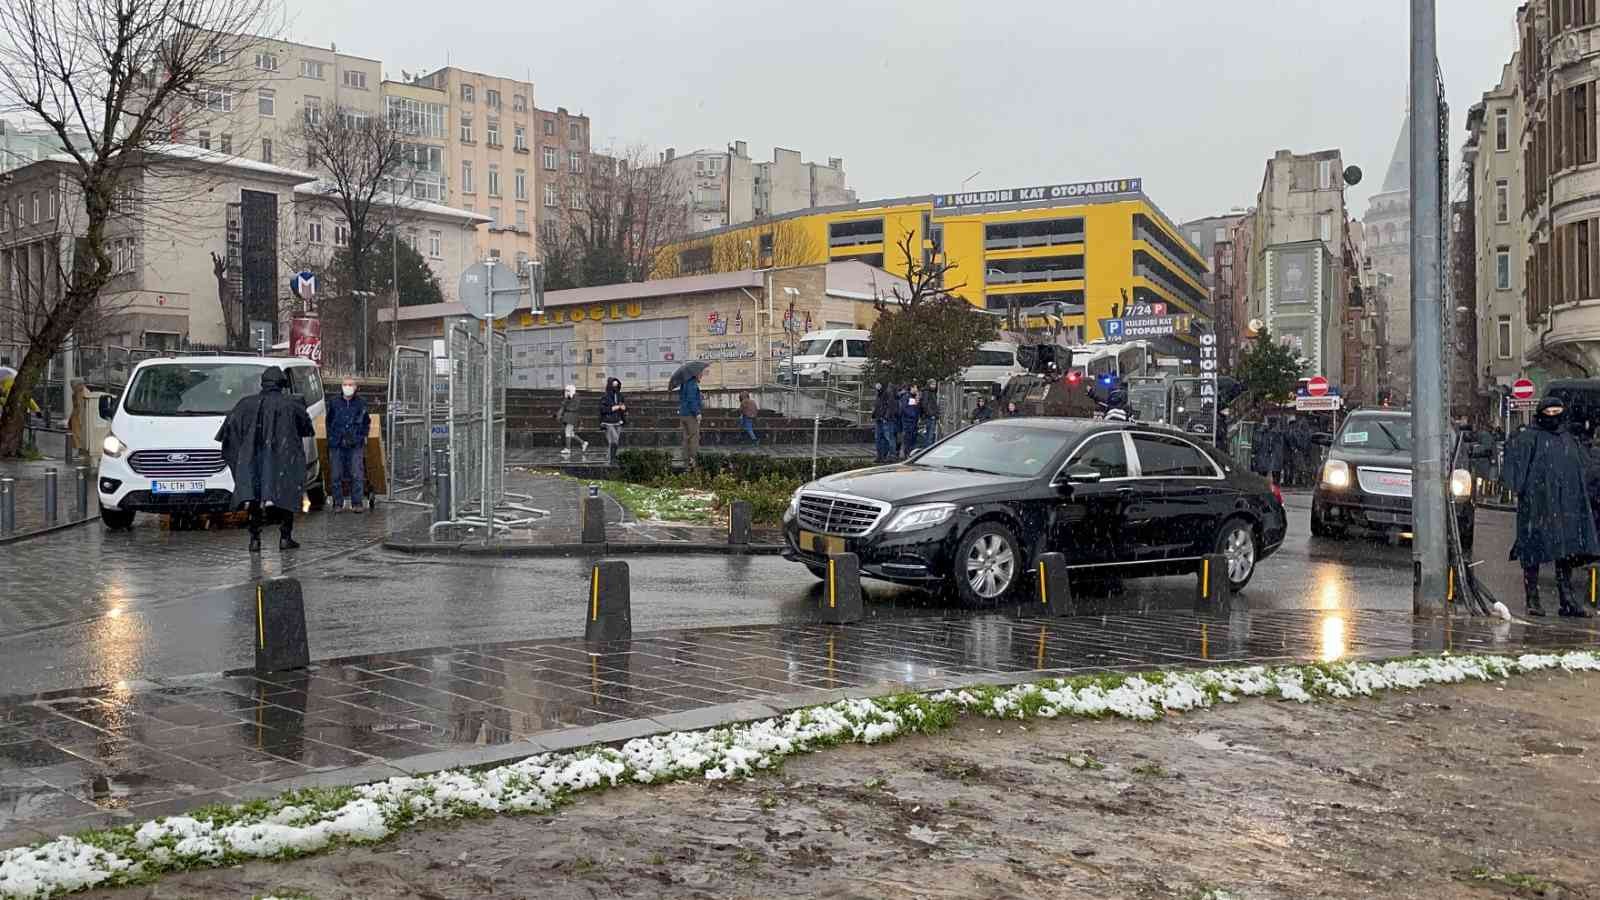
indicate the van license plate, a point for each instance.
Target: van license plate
{"x":821,"y":544}
{"x":177,"y":487}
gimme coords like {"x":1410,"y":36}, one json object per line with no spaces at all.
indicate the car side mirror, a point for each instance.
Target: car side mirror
{"x":1322,"y":440}
{"x":1083,"y":475}
{"x":108,"y":406}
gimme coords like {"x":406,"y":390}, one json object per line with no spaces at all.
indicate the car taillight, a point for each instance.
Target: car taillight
{"x":1277,"y":492}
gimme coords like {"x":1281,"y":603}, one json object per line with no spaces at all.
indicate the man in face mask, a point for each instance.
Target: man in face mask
{"x":347,"y":446}
{"x":1545,"y":469}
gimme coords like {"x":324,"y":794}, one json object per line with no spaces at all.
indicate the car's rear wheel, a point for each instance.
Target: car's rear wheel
{"x":1237,"y":541}
{"x":117,"y":519}
{"x":988,"y":563}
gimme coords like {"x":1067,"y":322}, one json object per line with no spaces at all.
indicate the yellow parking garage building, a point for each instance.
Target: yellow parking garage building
{"x":1095,"y":245}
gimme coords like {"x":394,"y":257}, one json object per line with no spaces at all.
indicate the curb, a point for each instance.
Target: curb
{"x":655,"y":548}
{"x":42,"y":532}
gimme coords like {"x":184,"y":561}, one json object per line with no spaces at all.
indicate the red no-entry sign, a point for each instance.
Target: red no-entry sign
{"x":1317,"y":386}
{"x":1522,"y":389}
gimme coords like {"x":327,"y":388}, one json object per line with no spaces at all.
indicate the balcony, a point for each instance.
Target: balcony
{"x":1574,"y":336}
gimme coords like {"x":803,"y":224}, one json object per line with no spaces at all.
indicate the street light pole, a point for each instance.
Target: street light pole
{"x":1428,"y":509}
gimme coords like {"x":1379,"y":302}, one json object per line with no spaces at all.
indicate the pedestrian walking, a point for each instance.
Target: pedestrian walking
{"x":1546,"y":469}
{"x":930,"y":414}
{"x":567,"y":415}
{"x":885,"y":421}
{"x":690,"y":405}
{"x":984,"y":412}
{"x":1266,"y":457}
{"x":748,"y":410}
{"x":910,"y":418}
{"x":1303,"y":449}
{"x":348,"y":424}
{"x":613,"y":415}
{"x":262,"y":443}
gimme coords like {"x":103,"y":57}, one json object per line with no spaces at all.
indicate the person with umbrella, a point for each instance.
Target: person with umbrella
{"x":262,"y":444}
{"x":690,"y":404}
{"x":1545,"y":469}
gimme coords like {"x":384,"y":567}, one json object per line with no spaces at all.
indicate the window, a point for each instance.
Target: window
{"x":1502,"y":201}
{"x":469,"y":94}
{"x":226,"y":143}
{"x":521,"y":184}
{"x":355,"y":79}
{"x":266,"y":150}
{"x":466,"y":176}
{"x":576,"y":201}
{"x":494,"y":180}
{"x":1580,"y":125}
{"x":1502,"y":269}
{"x":1165,"y":457}
{"x":35,"y":207}
{"x":550,"y":196}
{"x":522,"y":218}
{"x":491,"y":132}
{"x":549,"y":126}
{"x":1220,"y":235}
{"x":266,"y":101}
{"x":217,"y":56}
{"x":410,"y":116}
{"x":1325,"y":226}
{"x":341,"y":234}
{"x":574,"y":131}
{"x":491,"y":99}
{"x":267,"y":62}
{"x":313,"y":110}
{"x":1502,"y":337}
{"x":22,"y":211}
{"x":1105,"y":454}
{"x":1194,"y":237}
{"x":466,"y":129}
{"x":310,"y":68}
{"x":314,"y":231}
{"x":1502,"y":130}
{"x":435,"y":238}
{"x":218,"y":100}
{"x":519,"y":138}
{"x":519,"y":103}
{"x":494,"y":217}
{"x":1325,"y":174}
{"x":353,"y":118}
{"x":50,"y":212}
{"x":205,"y":140}
{"x":575,"y":162}
{"x":549,"y":154}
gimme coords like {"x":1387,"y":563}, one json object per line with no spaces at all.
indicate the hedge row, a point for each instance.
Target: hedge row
{"x":655,"y":466}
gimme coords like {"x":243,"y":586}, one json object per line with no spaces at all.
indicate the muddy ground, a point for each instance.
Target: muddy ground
{"x":1461,"y":792}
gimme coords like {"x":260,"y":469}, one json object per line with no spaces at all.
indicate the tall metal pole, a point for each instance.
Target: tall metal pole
{"x":488,"y":501}
{"x":1428,"y":553}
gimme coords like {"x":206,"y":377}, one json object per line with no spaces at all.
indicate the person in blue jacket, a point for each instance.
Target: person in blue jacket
{"x":689,"y":407}
{"x":910,"y":413}
{"x":347,"y":446}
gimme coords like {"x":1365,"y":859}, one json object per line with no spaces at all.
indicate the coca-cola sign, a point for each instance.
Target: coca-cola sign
{"x":305,"y":338}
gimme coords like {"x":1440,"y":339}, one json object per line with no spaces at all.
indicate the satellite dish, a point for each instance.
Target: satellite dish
{"x":1352,"y":175}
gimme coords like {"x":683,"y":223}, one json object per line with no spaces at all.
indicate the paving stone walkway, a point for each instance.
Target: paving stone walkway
{"x":124,"y":752}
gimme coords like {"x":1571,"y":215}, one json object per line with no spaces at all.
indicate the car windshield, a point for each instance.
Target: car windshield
{"x":998,"y":449}
{"x":1375,"y":433}
{"x":813,"y":347}
{"x":204,"y":389}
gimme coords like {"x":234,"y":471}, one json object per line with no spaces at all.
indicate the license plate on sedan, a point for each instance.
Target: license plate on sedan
{"x":821,"y":544}
{"x":189,"y":486}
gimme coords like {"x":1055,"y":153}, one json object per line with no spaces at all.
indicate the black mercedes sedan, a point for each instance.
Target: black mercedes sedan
{"x":972,"y":512}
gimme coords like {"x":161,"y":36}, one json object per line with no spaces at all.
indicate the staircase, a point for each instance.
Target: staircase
{"x":653,"y":422}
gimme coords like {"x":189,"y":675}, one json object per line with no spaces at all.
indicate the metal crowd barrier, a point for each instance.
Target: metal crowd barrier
{"x":408,"y":426}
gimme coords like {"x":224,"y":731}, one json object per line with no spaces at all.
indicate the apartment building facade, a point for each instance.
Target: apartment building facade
{"x":723,"y":188}
{"x":562,"y":168}
{"x":1213,"y":237}
{"x":1388,"y":241}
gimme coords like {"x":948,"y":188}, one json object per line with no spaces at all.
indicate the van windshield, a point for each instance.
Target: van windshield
{"x":201,"y":389}
{"x":995,"y":358}
{"x":813,"y":347}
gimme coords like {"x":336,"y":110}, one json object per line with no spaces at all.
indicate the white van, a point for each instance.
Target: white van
{"x":162,"y":455}
{"x":994,"y":363}
{"x":831,"y":353}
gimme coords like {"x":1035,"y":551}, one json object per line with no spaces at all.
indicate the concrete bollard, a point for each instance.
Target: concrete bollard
{"x":610,"y":604}
{"x":1212,"y":591}
{"x":82,"y":496}
{"x":841,"y":590}
{"x":51,"y":512}
{"x":281,"y":626}
{"x":8,"y":506}
{"x":1055,"y":589}
{"x":593,"y":517}
{"x":739,"y":516}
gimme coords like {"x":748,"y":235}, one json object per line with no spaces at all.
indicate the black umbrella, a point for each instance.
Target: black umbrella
{"x":685,"y":372}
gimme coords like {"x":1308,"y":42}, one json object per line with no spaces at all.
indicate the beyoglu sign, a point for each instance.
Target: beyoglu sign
{"x":593,"y":312}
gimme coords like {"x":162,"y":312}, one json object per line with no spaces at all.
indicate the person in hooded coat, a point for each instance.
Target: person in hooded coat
{"x":262,"y":443}
{"x":1545,"y":468}
{"x":613,"y":415}
{"x":1266,"y":457}
{"x":886,"y":422}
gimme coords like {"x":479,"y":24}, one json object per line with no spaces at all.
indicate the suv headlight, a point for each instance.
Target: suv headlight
{"x":794,"y":505}
{"x":113,"y":446}
{"x":1461,"y":483}
{"x":1336,"y":474}
{"x":922,"y":516}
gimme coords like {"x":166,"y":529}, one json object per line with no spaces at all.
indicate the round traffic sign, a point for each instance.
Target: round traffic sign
{"x":1317,"y":386}
{"x":1522,"y":389}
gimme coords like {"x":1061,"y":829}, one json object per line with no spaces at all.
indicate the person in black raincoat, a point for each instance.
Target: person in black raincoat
{"x":886,"y":422}
{"x":613,"y":415}
{"x":1546,"y":469}
{"x":1266,"y":456}
{"x":262,"y":443}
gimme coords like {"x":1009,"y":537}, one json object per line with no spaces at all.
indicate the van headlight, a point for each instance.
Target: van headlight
{"x":921,"y":516}
{"x":1461,"y":483}
{"x":1336,"y":474}
{"x":113,"y":446}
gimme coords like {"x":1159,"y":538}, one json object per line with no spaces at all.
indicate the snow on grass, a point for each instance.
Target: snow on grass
{"x":308,"y":821}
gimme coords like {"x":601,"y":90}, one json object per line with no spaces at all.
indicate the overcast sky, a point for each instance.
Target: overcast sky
{"x":1192,"y":97}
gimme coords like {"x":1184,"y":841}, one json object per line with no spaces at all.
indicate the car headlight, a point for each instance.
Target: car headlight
{"x":1336,"y":473}
{"x":794,"y":505}
{"x":922,"y":516}
{"x":113,"y":446}
{"x":1461,"y":483}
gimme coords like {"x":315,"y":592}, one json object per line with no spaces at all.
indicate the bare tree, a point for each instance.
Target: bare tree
{"x":619,"y":215}
{"x":769,"y":244}
{"x":111,"y":79}
{"x":926,"y":275}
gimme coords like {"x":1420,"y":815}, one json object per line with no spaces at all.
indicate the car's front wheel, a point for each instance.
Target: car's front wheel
{"x":988,"y":564}
{"x":117,"y":519}
{"x":1237,"y":542}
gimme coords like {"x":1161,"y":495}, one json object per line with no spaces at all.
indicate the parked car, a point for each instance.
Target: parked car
{"x":828,"y":354}
{"x":1365,"y":483}
{"x":974,"y":511}
{"x":162,"y":455}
